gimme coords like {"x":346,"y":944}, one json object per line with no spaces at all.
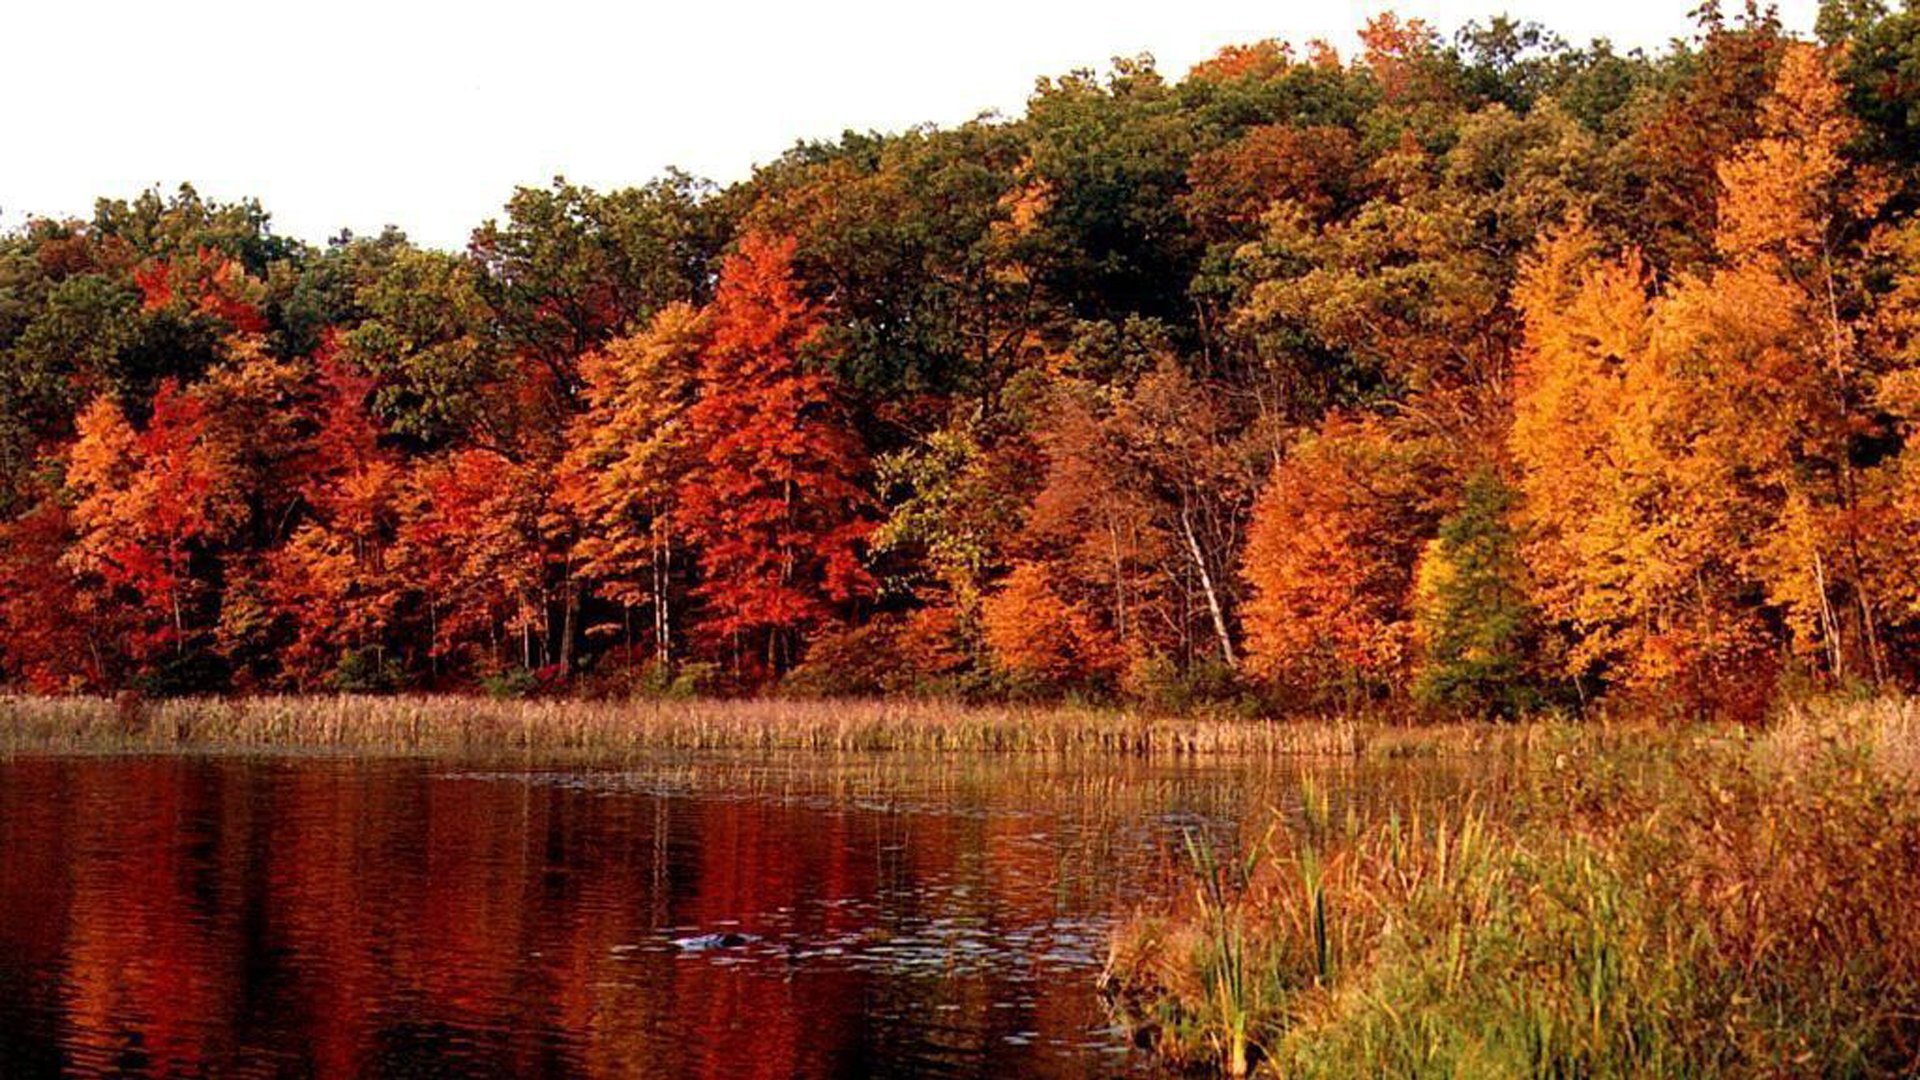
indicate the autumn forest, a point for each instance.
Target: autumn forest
{"x":1475,"y":374}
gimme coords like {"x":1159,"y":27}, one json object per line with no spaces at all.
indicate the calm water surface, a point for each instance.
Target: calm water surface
{"x":214,"y":916}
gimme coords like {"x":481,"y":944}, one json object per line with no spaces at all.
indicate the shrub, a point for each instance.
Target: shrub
{"x":365,"y":671}
{"x":677,"y":682}
{"x":1160,"y":684}
{"x":510,"y":684}
{"x":186,"y":674}
{"x":892,"y":654}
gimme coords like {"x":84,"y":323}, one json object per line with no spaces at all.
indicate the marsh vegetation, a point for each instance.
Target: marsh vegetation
{"x":611,"y":730}
{"x":1724,"y":903}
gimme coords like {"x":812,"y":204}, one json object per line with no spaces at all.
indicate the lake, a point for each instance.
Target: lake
{"x":723,"y":915}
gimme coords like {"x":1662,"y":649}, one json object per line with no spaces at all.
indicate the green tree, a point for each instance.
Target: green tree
{"x":1474,"y":624}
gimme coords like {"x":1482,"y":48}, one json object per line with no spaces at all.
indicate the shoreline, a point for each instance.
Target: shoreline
{"x":619,"y":730}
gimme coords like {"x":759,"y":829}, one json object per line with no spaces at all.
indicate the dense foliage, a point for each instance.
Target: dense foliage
{"x":1479,"y":374}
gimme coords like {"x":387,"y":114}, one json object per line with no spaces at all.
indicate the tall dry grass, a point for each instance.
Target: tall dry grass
{"x":613,"y":730}
{"x":1737,"y":905}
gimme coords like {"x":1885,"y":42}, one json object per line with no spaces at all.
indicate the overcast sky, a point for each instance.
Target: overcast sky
{"x":362,"y":113}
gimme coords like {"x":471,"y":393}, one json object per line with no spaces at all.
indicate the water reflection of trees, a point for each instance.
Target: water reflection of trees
{"x":173,"y":917}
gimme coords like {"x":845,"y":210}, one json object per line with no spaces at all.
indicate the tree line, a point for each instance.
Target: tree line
{"x":1476,"y":374}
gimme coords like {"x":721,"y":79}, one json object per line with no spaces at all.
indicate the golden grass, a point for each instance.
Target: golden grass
{"x":449,"y":725}
{"x":1734,"y":903}
{"x":1886,"y":728}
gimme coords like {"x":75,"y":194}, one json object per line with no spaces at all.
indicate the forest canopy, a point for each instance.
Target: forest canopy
{"x":1473,"y":373}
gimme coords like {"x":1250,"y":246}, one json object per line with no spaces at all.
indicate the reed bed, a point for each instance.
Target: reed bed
{"x":443,"y":725}
{"x":1742,"y":904}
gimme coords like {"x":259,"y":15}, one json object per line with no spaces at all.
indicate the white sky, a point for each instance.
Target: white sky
{"x":361,"y":113}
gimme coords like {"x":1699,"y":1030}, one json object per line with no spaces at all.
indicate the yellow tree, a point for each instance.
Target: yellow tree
{"x":1593,"y":546}
{"x":1636,"y":515}
{"x":626,"y":454}
{"x":1688,"y":458}
{"x":1792,"y":219}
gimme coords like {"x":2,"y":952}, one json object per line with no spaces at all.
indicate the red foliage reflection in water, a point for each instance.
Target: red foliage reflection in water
{"x":194,"y":917}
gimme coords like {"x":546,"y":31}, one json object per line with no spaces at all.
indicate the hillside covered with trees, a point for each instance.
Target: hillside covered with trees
{"x":1474,"y":374}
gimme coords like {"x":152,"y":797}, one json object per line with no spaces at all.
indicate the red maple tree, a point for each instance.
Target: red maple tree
{"x":775,"y":502}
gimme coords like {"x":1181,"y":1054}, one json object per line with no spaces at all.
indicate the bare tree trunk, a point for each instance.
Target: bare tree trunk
{"x":1214,"y":607}
{"x":662,"y":584}
{"x":173,"y":599}
{"x":1869,"y":631}
{"x":569,"y":626}
{"x":1873,"y":635}
{"x":1836,"y":657}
